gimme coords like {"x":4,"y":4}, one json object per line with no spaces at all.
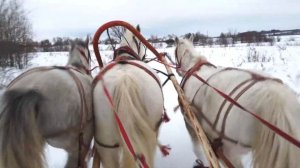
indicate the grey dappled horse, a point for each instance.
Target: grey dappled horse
{"x":137,"y":96}
{"x":48,"y":104}
{"x":238,"y":131}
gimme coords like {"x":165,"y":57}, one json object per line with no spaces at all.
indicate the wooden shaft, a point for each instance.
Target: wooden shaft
{"x":96,"y":160}
{"x":191,"y":117}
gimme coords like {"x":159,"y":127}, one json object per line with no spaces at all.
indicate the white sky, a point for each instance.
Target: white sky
{"x":76,"y":18}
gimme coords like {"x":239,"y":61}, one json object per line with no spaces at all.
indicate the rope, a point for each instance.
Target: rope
{"x":167,"y":75}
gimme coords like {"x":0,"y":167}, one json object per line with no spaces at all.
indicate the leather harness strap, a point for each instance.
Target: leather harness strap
{"x":253,"y":80}
{"x":84,"y":115}
{"x":113,"y":63}
{"x":105,"y":145}
{"x":231,"y":105}
{"x":195,"y":68}
{"x":125,"y":50}
{"x":120,"y":60}
{"x":218,"y":132}
{"x":74,"y":77}
{"x":217,"y":143}
{"x":224,"y":101}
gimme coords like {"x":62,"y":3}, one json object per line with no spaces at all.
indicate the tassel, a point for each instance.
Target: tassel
{"x":165,"y":149}
{"x":165,"y":117}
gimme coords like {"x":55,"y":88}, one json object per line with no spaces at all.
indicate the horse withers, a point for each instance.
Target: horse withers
{"x":229,"y":125}
{"x":48,"y":104}
{"x":137,"y":99}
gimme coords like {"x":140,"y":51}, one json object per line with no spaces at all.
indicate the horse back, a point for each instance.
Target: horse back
{"x":62,"y":103}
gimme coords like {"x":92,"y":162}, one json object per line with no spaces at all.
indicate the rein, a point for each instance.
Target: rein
{"x":119,"y":59}
{"x":122,"y":130}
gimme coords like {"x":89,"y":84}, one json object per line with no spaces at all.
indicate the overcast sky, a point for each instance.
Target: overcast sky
{"x":76,"y":18}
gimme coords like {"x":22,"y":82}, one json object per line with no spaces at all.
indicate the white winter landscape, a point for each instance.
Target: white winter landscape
{"x":281,"y":60}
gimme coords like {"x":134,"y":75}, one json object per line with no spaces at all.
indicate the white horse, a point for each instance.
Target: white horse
{"x":238,"y":131}
{"x":138,"y":101}
{"x":48,"y":104}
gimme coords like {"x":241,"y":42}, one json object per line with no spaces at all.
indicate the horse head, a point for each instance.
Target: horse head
{"x":185,"y":54}
{"x":134,"y":47}
{"x":79,"y":55}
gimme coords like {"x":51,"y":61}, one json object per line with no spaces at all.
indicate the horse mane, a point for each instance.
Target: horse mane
{"x":194,"y":53}
{"x":74,"y":59}
{"x":79,"y":43}
{"x":129,"y":39}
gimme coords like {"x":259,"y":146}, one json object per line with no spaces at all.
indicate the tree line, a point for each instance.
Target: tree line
{"x":57,"y":44}
{"x":15,"y":34}
{"x":224,"y":39}
{"x":16,"y":37}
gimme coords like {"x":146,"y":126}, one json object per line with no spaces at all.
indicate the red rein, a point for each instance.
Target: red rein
{"x":97,"y":35}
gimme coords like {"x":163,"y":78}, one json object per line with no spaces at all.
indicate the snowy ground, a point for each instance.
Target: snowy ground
{"x":280,"y":60}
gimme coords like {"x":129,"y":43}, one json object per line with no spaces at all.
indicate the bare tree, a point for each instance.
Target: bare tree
{"x":223,"y":40}
{"x":116,"y":33}
{"x":15,"y":33}
{"x":46,"y":45}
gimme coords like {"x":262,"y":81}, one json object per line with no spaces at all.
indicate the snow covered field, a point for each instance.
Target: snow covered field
{"x":281,"y":60}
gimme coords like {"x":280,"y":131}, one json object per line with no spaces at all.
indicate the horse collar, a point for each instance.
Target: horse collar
{"x":114,"y":63}
{"x":195,"y":68}
{"x":125,"y":50}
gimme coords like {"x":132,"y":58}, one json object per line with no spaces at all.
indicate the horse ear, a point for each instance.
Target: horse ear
{"x":87,"y":40}
{"x":191,"y":38}
{"x":176,"y":40}
{"x":138,"y":28}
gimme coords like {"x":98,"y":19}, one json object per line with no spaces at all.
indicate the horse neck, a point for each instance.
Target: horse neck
{"x":189,"y":59}
{"x":127,"y":42}
{"x":127,"y":52}
{"x":193,"y":58}
{"x":76,"y":61}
